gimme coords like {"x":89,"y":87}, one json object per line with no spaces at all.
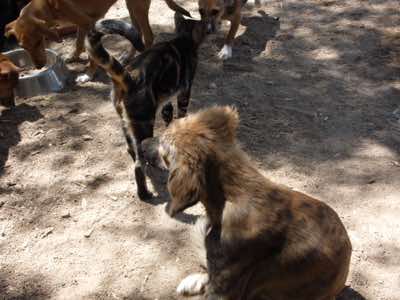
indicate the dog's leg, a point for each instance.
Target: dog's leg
{"x":194,"y":284}
{"x":139,"y":12}
{"x":183,"y":102}
{"x":226,"y":51}
{"x":167,"y":113}
{"x":142,"y":130}
{"x":88,"y":76}
{"x":79,"y":46}
{"x":135,"y":133}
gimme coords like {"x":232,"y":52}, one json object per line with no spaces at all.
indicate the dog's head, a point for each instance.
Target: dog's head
{"x":211,"y":12}
{"x":189,"y":149}
{"x":31,"y":33}
{"x":196,"y":30}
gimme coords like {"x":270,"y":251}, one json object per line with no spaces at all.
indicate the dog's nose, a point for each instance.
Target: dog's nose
{"x":169,"y":211}
{"x":210,"y":28}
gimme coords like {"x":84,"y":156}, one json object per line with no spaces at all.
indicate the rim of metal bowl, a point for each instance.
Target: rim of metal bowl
{"x":45,"y":68}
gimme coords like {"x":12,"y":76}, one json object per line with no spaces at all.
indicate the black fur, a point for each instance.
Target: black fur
{"x":156,"y":74}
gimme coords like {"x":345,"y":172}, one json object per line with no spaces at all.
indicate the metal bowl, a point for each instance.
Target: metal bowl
{"x":51,"y":78}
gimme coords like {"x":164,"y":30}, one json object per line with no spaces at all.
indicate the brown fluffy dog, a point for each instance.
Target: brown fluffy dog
{"x":262,"y":240}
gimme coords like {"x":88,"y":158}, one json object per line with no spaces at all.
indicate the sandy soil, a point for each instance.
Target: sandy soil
{"x":319,"y":97}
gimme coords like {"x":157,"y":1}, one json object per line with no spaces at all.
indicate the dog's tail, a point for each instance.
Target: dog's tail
{"x":112,"y":66}
{"x":198,"y":236}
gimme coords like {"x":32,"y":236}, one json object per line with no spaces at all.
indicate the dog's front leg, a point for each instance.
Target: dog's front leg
{"x":167,"y":113}
{"x":79,"y":45}
{"x":183,"y":103}
{"x":183,"y":98}
{"x":141,"y":130}
{"x":226,"y":51}
{"x":192,"y":285}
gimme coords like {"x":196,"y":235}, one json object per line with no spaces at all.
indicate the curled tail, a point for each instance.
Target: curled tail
{"x":100,"y":55}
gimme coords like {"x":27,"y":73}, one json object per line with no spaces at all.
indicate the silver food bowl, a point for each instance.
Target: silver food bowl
{"x":51,"y":78}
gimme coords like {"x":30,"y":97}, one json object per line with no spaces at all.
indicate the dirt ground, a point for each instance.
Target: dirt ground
{"x":319,"y":98}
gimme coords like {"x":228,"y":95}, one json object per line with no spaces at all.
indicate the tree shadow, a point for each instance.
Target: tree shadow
{"x":16,"y":286}
{"x":260,"y":29}
{"x":10,"y":136}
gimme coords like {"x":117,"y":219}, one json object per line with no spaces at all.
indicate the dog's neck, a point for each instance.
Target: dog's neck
{"x":185,"y":44}
{"x":240,"y":176}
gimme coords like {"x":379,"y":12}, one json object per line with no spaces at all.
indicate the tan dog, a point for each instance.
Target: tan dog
{"x":262,"y":240}
{"x":8,"y":80}
{"x":213,"y":11}
{"x":37,"y":21}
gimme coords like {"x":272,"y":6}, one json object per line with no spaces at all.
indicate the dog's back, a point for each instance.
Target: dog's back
{"x":298,"y":249}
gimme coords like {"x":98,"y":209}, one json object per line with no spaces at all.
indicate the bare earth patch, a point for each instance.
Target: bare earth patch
{"x":319,"y":97}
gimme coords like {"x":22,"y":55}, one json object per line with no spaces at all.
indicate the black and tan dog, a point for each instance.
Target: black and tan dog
{"x":213,"y":11}
{"x":156,"y":74}
{"x":262,"y":240}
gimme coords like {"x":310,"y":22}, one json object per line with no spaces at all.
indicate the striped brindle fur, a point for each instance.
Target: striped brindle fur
{"x":155,"y":75}
{"x":262,"y":240}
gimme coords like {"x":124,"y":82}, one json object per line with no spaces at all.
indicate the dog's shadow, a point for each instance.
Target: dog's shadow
{"x":159,"y":179}
{"x":349,"y":294}
{"x":259,"y":30}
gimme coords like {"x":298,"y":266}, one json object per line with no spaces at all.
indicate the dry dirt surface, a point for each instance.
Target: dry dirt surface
{"x":318,"y":93}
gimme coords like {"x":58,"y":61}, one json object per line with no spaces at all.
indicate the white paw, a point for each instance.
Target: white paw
{"x":193,"y":285}
{"x":225,"y":53}
{"x":83,"y":78}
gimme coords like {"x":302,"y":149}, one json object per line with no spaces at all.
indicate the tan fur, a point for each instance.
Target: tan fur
{"x":264,"y":241}
{"x":37,"y":22}
{"x":227,"y":10}
{"x":8,"y":80}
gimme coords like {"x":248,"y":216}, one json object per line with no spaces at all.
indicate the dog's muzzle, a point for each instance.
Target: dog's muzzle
{"x":211,"y":27}
{"x":150,"y":152}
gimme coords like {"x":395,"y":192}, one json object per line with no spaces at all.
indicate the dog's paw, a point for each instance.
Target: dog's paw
{"x":225,"y":53}
{"x":83,"y":78}
{"x":193,"y":285}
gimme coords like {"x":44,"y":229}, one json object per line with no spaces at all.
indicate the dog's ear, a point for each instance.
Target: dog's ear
{"x":10,"y":29}
{"x":222,"y":120}
{"x":180,"y":23}
{"x":186,"y":186}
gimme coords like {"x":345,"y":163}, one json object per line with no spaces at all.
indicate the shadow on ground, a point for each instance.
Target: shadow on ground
{"x":17,"y":286}
{"x":10,"y":120}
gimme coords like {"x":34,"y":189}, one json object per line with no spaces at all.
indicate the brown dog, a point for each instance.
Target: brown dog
{"x":8,"y":80}
{"x":213,"y":11}
{"x":37,"y":22}
{"x":262,"y":240}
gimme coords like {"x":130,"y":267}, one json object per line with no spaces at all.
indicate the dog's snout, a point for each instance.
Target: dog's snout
{"x":150,"y":152}
{"x":170,"y":212}
{"x":210,"y":28}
